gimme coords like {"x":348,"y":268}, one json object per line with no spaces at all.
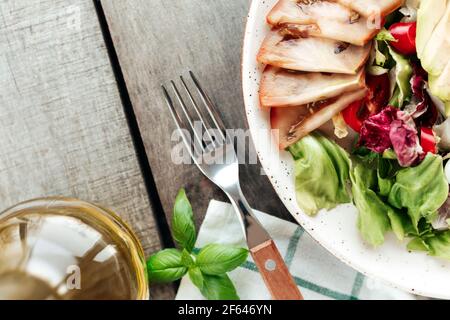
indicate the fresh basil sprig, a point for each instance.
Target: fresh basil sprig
{"x":217,"y":259}
{"x":166,"y":266}
{"x":207,"y":269}
{"x":183,"y":227}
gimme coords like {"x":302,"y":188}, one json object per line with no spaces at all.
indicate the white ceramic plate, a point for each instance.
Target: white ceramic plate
{"x":335,"y":230}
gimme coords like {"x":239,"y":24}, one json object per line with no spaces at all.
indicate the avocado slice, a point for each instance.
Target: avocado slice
{"x":436,"y":53}
{"x":440,"y":85}
{"x":428,"y":16}
{"x":446,"y":112}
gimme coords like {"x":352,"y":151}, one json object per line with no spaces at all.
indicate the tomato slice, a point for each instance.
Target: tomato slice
{"x":351,"y":117}
{"x":428,"y":140}
{"x":377,"y":98}
{"x":405,"y":34}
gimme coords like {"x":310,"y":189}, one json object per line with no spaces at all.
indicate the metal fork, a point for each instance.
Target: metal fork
{"x":217,"y":160}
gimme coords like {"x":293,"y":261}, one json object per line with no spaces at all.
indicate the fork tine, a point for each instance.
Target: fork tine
{"x":198,"y":140}
{"x":209,"y":107}
{"x":199,"y":113}
{"x":178,"y":122}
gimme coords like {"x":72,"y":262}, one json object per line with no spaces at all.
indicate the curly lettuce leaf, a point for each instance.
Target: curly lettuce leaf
{"x":422,"y":190}
{"x":321,"y":173}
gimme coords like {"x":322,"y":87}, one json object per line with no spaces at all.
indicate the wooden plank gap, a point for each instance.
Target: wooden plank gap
{"x":163,"y":226}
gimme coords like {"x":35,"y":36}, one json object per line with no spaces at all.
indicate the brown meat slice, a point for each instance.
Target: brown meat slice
{"x":327,"y":19}
{"x":293,"y":123}
{"x":369,"y":8}
{"x":311,"y":54}
{"x":285,"y":88}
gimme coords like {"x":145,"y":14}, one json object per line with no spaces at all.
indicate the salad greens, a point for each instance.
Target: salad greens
{"x":439,"y":245}
{"x":207,"y":269}
{"x":387,"y":196}
{"x":403,"y":74}
{"x":385,"y":59}
{"x":399,"y":127}
{"x":373,"y":222}
{"x":316,"y":157}
{"x":421,"y":190}
{"x":379,"y":62}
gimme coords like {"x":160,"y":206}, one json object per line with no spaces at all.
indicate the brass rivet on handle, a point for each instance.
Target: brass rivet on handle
{"x":270,"y":265}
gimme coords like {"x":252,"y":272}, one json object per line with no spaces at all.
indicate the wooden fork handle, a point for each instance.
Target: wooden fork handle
{"x":275,"y":272}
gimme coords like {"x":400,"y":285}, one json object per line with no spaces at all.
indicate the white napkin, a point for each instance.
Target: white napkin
{"x":318,"y":273}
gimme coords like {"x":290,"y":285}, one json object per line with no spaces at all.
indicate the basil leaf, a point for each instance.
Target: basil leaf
{"x":196,"y":277}
{"x":216,"y":259}
{"x":183,"y":227}
{"x":218,"y":287}
{"x":165,"y":266}
{"x":186,"y":258}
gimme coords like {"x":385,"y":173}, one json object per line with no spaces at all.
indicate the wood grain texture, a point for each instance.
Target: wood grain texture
{"x":62,"y":126}
{"x":274,"y":272}
{"x":156,"y":41}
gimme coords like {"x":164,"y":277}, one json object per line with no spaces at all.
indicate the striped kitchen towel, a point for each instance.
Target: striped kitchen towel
{"x":318,"y":273}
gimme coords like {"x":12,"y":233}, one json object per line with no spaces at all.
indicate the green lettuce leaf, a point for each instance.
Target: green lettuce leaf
{"x":422,"y":190}
{"x":385,"y":35}
{"x":439,"y":245}
{"x":400,"y":223}
{"x":436,"y":243}
{"x":386,"y":173}
{"x":403,"y":74}
{"x":373,"y":221}
{"x":321,"y":173}
{"x":417,"y":244}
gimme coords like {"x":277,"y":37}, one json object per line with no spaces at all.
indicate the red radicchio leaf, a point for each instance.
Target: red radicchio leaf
{"x":374,"y":134}
{"x":405,"y":141}
{"x":423,"y":109}
{"x":392,"y":128}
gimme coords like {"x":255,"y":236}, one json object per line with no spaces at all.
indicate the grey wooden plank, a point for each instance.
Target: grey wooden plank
{"x":157,"y":40}
{"x":63,"y":129}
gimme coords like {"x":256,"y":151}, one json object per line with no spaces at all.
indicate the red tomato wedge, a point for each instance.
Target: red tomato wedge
{"x":377,"y":98}
{"x":350,"y":115}
{"x":405,"y":34}
{"x":428,"y":140}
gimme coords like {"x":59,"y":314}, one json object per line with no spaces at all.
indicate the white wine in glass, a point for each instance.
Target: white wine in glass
{"x":60,"y":248}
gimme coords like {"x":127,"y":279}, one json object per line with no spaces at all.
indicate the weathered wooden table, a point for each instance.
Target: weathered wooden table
{"x":82,"y":115}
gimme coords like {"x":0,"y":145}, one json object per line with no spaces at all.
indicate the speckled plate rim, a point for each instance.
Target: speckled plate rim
{"x":392,"y":264}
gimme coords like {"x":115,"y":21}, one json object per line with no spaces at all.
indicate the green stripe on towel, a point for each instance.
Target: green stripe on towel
{"x":292,"y":247}
{"x":308,"y":285}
